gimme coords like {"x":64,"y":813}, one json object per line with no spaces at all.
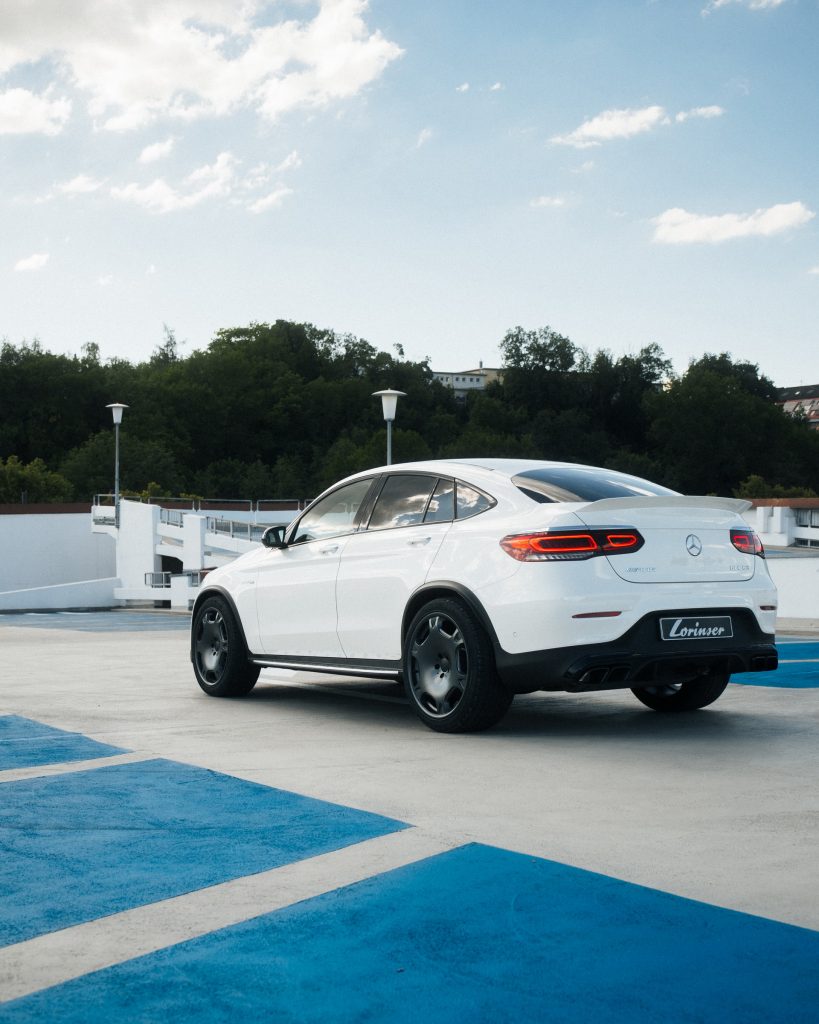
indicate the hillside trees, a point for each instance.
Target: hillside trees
{"x":284,"y":409}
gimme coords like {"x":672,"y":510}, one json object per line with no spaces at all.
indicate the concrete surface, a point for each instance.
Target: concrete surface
{"x":719,"y":807}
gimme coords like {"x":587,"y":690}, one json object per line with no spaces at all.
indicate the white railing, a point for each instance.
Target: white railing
{"x":172,"y":509}
{"x":157,"y":579}
{"x":162,"y":580}
{"x":235,"y":528}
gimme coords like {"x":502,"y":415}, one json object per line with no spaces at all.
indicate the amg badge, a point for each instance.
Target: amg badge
{"x":708,"y":627}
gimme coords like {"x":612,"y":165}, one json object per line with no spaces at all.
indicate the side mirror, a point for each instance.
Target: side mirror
{"x":273,"y":537}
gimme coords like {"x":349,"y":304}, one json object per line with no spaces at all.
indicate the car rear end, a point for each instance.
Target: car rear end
{"x":632,"y":591}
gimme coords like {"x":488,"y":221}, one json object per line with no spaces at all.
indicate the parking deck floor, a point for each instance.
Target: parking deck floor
{"x":313,"y":853}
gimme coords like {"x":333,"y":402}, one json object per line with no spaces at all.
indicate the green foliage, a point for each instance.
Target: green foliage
{"x":31,"y":483}
{"x":757,"y":487}
{"x":281,"y":410}
{"x":90,"y":466}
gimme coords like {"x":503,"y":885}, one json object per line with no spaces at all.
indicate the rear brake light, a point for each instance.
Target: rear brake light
{"x":747,"y":542}
{"x":571,"y":545}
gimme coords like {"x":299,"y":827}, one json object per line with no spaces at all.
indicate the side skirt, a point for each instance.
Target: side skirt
{"x":367,"y":669}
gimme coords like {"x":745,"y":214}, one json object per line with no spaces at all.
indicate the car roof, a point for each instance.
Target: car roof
{"x":450,"y":467}
{"x":481,"y":470}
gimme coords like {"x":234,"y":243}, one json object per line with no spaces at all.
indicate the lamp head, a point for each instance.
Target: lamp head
{"x":389,"y":401}
{"x":116,"y":411}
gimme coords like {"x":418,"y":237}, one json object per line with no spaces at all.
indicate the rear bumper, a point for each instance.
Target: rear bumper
{"x":640,"y":657}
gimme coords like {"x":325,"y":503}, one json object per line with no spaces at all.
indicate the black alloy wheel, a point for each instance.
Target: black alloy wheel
{"x":449,"y":670}
{"x":220,"y":661}
{"x":688,"y":696}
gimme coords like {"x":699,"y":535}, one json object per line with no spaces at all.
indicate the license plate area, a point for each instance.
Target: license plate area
{"x":697,"y":627}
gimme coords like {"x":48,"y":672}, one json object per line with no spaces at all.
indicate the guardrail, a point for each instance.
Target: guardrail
{"x":157,"y":579}
{"x":162,"y":580}
{"x":211,"y":504}
{"x":235,"y":528}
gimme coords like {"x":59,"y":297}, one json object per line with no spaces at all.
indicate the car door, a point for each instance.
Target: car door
{"x":295,"y":587}
{"x":383,"y":565}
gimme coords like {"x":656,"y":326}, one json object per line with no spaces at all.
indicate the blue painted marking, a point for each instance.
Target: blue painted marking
{"x":474,"y":935}
{"x":77,"y":847}
{"x":798,"y":667}
{"x":27,"y":744}
{"x":798,"y":649}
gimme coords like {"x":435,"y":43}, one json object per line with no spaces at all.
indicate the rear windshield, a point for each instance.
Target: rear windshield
{"x":574,"y":483}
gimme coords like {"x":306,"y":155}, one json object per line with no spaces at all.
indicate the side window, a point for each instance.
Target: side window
{"x":442,"y":503}
{"x":471,"y":502}
{"x":334,"y":515}
{"x":402,"y":501}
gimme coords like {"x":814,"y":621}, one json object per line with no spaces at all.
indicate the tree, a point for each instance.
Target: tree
{"x":31,"y":483}
{"x":539,"y":369}
{"x":706,"y":425}
{"x":90,"y":466}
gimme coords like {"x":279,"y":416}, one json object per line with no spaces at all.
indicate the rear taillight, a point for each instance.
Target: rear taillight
{"x":571,"y":545}
{"x":747,"y":542}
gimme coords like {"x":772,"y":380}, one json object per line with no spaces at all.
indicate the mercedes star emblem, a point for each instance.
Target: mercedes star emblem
{"x":693,"y":545}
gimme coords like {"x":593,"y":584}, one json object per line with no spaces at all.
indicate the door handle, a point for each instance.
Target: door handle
{"x":419,"y":541}
{"x":329,"y":551}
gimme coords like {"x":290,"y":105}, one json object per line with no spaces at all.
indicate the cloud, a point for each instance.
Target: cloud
{"x":81,"y":185}
{"x":273,"y":199}
{"x":35,"y":262}
{"x":584,"y":168}
{"x":753,"y":5}
{"x":423,"y":137}
{"x":209,"y":182}
{"x":24,"y":113}
{"x":137,"y":61}
{"x":156,"y":151}
{"x":679,"y":227}
{"x":550,"y":202}
{"x":463,"y":87}
{"x":814,"y":270}
{"x":105,"y":280}
{"x":290,"y":162}
{"x":704,"y":112}
{"x":496,"y":87}
{"x":626,"y":123}
{"x":612,"y":124}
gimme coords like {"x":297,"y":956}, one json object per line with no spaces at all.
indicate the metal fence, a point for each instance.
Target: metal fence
{"x":162,"y":580}
{"x":235,"y":528}
{"x":103,"y":509}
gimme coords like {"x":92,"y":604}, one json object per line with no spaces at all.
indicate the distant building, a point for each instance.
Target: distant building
{"x":804,"y":398}
{"x":786,"y":522}
{"x":464,"y":381}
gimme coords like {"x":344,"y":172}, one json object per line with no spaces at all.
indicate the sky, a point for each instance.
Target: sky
{"x":422,"y":173}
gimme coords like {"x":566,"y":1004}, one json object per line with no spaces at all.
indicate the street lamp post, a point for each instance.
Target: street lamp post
{"x":116,"y":411}
{"x":389,"y":401}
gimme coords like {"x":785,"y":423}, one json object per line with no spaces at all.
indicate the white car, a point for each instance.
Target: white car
{"x":472,"y":580}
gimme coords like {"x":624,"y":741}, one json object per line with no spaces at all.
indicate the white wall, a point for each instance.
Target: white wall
{"x":44,"y":550}
{"x":797,"y":580}
{"x":86,"y":594}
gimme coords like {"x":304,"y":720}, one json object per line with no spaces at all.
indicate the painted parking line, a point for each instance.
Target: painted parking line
{"x":87,"y":844}
{"x":475,"y":934}
{"x":798,"y":668}
{"x":57,"y":957}
{"x":25,"y":743}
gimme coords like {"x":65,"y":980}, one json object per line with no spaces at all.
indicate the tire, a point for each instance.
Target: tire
{"x":218,"y":650}
{"x":449,"y":670}
{"x":689,"y":696}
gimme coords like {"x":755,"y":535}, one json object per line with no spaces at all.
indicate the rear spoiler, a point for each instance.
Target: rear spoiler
{"x":738,"y":505}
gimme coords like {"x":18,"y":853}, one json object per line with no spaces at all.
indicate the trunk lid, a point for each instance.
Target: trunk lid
{"x":687,"y":539}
